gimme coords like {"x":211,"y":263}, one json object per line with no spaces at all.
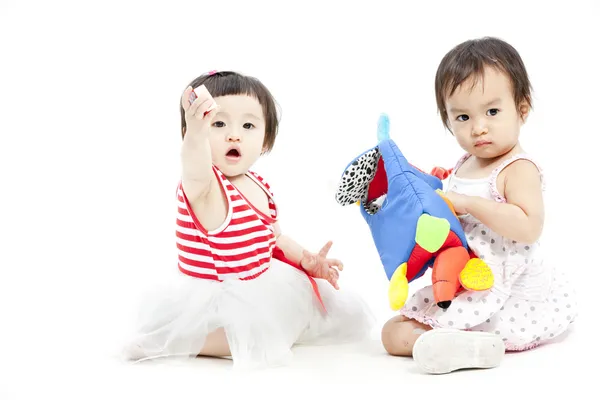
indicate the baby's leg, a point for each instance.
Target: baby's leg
{"x":216,"y":345}
{"x":399,"y":335}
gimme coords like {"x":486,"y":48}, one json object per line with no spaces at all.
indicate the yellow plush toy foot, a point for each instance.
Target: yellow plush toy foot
{"x":476,"y":275}
{"x":398,"y":290}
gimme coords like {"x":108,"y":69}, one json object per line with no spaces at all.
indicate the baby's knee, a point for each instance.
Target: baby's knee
{"x":396,"y":338}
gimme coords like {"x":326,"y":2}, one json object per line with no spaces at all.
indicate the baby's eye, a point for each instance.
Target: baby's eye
{"x":463,"y":117}
{"x":492,"y":111}
{"x":248,"y":125}
{"x":218,"y":124}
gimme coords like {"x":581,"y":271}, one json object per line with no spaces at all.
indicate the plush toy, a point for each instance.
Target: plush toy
{"x":413,"y":225}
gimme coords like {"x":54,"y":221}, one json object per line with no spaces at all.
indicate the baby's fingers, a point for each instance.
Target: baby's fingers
{"x":187,"y":95}
{"x":323,"y":252}
{"x":200,"y":108}
{"x":335,"y":262}
{"x":334,"y":275}
{"x":198,"y":102}
{"x":190,"y":102}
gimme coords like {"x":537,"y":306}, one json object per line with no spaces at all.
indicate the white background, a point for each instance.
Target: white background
{"x":89,"y":162}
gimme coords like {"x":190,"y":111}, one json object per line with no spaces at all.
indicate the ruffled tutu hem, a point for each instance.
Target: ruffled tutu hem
{"x":262,"y":318}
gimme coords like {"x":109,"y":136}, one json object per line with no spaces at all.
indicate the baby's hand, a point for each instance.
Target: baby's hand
{"x":459,"y":202}
{"x":197,"y":104}
{"x":318,"y":266}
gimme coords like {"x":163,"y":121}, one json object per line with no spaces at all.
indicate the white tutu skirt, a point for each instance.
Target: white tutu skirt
{"x":262,"y":318}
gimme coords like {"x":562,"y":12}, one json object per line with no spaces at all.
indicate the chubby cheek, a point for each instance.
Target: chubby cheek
{"x":255,"y":143}
{"x":217,"y":148}
{"x":509,"y":131}
{"x":252,"y":152}
{"x":463,"y":137}
{"x":465,"y":145}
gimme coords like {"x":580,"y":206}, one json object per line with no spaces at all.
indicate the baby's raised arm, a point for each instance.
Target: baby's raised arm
{"x":197,"y":176}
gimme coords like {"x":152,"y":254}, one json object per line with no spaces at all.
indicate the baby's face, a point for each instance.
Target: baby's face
{"x":483,"y":115}
{"x":237,"y":134}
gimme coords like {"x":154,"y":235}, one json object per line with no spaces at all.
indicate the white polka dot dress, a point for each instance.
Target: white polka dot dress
{"x":530,"y":302}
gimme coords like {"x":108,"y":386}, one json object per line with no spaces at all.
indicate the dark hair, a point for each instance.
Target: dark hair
{"x":224,"y":83}
{"x":469,"y":59}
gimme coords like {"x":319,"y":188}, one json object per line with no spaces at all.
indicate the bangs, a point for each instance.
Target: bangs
{"x":470,"y":68}
{"x":225,"y":84}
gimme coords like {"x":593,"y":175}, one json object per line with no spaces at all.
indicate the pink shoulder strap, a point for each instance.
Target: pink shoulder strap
{"x":494,"y":175}
{"x":460,"y":162}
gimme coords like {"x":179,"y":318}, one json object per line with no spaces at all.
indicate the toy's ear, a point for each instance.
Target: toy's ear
{"x":383,"y":128}
{"x":358,"y":184}
{"x":364,"y":181}
{"x":354,"y":184}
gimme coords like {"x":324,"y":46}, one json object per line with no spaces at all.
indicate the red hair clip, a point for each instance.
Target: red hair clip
{"x":214,"y":71}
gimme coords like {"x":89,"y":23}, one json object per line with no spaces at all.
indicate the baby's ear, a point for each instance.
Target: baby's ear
{"x":524,"y":110}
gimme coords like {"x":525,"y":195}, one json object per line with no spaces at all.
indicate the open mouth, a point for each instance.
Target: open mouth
{"x":233,"y":153}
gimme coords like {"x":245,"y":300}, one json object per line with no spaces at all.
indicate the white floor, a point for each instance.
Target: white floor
{"x":344,"y":370}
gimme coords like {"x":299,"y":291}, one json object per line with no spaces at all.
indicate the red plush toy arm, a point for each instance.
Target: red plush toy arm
{"x":441,"y":173}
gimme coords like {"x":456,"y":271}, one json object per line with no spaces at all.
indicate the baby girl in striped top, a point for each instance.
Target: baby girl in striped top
{"x":247,"y":291}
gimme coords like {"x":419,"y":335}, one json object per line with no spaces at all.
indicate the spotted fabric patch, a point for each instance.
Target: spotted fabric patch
{"x":354,"y":184}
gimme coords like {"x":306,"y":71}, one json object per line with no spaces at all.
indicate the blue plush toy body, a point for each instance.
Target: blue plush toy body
{"x":412,"y":224}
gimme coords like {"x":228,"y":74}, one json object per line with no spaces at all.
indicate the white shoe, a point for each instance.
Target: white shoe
{"x":440,"y":351}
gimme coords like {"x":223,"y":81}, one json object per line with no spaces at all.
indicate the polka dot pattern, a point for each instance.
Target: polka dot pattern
{"x":531,"y":302}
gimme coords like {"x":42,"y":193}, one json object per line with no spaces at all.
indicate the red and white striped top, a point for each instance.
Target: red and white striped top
{"x":241,"y":248}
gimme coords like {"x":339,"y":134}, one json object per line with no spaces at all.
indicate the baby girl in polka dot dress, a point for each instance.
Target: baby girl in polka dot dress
{"x":483,"y":96}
